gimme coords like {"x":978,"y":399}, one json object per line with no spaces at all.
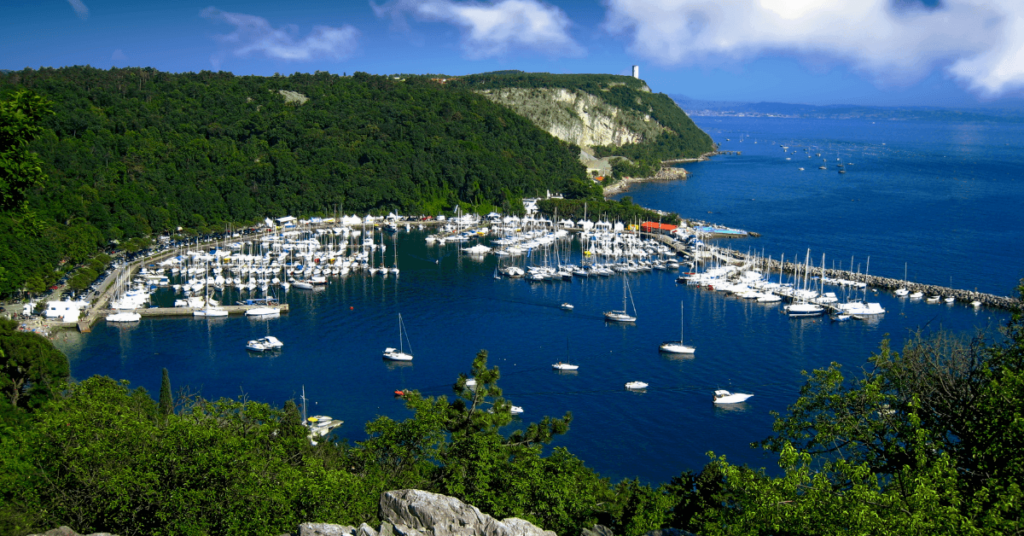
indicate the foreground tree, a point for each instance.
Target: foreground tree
{"x":926,"y":442}
{"x":31,"y":369}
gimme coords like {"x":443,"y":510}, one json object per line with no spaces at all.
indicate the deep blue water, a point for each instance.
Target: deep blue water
{"x":333,"y":338}
{"x":945,"y":198}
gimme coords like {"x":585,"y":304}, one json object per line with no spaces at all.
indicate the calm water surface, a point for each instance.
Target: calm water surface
{"x":454,"y":307}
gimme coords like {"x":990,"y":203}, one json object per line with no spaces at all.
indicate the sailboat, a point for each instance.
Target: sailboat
{"x":210,"y":309}
{"x":677,"y":347}
{"x":399,"y":354}
{"x":902,"y":291}
{"x":560,"y":366}
{"x":622,"y":315}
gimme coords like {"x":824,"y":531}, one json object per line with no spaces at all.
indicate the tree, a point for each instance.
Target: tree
{"x":31,"y":369}
{"x":166,"y":399}
{"x":20,"y":168}
{"x":926,"y":442}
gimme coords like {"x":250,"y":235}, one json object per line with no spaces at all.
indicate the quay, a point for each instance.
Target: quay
{"x":731,"y":256}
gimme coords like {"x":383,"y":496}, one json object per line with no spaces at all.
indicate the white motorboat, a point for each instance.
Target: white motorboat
{"x":725,"y":397}
{"x":804,"y":309}
{"x":917,"y":295}
{"x":124,"y":317}
{"x":567,"y":306}
{"x":264,"y":344}
{"x":861,"y":309}
{"x":564,"y":366}
{"x":975,"y":304}
{"x":516,"y":410}
{"x":622,"y":315}
{"x":263,"y":311}
{"x":399,"y":354}
{"x":210,"y":312}
{"x":949,"y":299}
{"x":677,"y":347}
{"x":636,"y":385}
{"x":305,"y":285}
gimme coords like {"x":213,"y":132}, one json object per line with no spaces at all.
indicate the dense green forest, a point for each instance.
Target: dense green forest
{"x":684,"y":139}
{"x":130,"y":152}
{"x":924,"y":442}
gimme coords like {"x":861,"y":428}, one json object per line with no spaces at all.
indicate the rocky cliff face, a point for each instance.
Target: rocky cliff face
{"x":576,"y":116}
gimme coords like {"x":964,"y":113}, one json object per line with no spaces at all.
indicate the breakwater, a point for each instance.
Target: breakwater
{"x":769,"y":266}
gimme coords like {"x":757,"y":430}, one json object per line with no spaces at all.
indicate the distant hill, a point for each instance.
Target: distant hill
{"x":845,"y":111}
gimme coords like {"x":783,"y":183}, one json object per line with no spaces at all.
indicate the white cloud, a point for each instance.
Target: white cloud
{"x":980,"y":42}
{"x":255,"y":35}
{"x":493,"y":28}
{"x":80,"y":8}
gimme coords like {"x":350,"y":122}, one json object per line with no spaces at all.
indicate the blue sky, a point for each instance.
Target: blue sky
{"x":953,"y":53}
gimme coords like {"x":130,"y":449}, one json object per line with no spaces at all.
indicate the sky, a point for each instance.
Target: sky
{"x":947,"y":53}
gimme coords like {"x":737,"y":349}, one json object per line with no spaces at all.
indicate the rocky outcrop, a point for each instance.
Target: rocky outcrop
{"x":420,"y":513}
{"x":577,"y":116}
{"x":326,"y":529}
{"x":68,"y":531}
{"x":412,"y":512}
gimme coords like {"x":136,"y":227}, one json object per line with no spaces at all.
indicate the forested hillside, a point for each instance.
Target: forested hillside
{"x":129,"y":152}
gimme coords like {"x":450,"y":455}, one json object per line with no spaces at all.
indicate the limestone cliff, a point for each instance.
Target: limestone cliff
{"x":578,"y":117}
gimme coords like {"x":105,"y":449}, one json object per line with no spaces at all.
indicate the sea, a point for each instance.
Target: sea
{"x":941,"y":199}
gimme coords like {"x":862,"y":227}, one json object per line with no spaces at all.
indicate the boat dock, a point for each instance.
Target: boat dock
{"x":732,"y":256}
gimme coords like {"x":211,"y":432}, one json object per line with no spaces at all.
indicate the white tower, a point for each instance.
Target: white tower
{"x":636,"y":72}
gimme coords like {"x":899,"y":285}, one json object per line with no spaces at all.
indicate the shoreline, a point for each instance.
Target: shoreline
{"x":667,"y":173}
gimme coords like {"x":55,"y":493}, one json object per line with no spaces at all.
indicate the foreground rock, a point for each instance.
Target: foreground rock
{"x":420,"y":513}
{"x":68,"y":531}
{"x":412,"y":512}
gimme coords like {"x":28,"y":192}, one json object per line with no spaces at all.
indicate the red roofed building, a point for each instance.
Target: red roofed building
{"x":655,"y":227}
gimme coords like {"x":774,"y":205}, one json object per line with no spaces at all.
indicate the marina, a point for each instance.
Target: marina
{"x":453,"y":305}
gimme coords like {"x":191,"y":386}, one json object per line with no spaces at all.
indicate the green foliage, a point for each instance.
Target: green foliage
{"x":166,"y":399}
{"x":103,"y":459}
{"x":131,"y":152}
{"x":20,"y":168}
{"x":623,"y":210}
{"x":31,"y":369}
{"x":927,"y":442}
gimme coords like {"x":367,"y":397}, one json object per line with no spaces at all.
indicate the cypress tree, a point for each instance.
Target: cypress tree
{"x":166,"y":402}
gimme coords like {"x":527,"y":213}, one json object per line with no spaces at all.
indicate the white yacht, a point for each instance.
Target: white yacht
{"x":677,"y":347}
{"x":399,"y":354}
{"x":564,"y":366}
{"x":124,"y":317}
{"x":636,"y":385}
{"x":804,"y":309}
{"x":725,"y":397}
{"x":622,"y":315}
{"x":210,"y":312}
{"x":263,"y":311}
{"x":264,"y":344}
